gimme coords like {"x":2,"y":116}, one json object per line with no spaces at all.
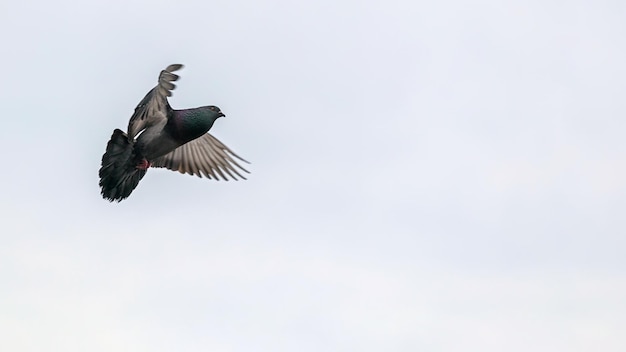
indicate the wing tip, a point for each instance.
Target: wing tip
{"x":174,"y":67}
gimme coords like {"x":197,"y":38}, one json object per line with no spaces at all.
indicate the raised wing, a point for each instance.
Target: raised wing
{"x":203,"y":156}
{"x":154,"y":107}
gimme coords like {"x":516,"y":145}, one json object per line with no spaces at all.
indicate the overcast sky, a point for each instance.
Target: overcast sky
{"x":426,"y":176}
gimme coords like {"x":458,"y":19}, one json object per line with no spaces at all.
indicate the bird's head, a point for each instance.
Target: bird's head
{"x":215,"y":110}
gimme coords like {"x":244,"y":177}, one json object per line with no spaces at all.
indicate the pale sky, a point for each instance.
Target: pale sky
{"x":426,"y":176}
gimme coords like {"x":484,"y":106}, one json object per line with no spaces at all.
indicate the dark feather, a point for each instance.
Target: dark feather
{"x":119,"y":175}
{"x":154,"y":106}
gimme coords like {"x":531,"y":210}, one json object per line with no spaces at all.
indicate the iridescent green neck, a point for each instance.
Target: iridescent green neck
{"x":190,"y":124}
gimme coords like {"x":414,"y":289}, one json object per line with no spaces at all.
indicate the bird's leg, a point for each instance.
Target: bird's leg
{"x":143,"y":164}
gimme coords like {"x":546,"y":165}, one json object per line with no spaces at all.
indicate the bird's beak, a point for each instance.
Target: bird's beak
{"x":222,"y":114}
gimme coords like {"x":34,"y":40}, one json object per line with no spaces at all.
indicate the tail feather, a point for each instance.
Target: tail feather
{"x":119,"y":174}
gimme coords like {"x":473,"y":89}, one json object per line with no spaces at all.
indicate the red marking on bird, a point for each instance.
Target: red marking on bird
{"x":143,"y":164}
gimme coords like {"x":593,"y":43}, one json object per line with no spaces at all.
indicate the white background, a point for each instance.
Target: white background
{"x":426,"y":176}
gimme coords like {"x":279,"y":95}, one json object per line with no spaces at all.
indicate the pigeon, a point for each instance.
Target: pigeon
{"x":159,"y":136}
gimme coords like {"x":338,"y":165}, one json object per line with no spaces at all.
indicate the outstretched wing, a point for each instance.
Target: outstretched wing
{"x":154,"y":107}
{"x":203,"y":156}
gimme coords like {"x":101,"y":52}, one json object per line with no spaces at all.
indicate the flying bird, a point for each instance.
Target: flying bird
{"x":159,"y":136}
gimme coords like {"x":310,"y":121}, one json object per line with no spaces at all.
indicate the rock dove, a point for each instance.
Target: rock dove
{"x":159,"y":136}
